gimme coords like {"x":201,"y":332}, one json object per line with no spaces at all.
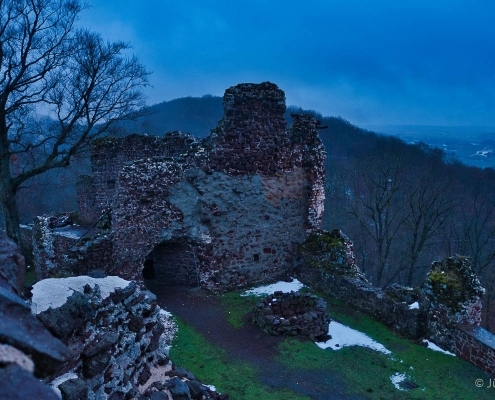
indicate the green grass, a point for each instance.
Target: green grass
{"x":213,"y":366}
{"x":236,"y":307}
{"x":364,"y":372}
{"x":29,"y":276}
{"x":368,"y":372}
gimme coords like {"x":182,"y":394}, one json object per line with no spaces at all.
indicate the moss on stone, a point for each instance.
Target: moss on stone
{"x":453,"y":282}
{"x":321,"y":242}
{"x":327,"y":251}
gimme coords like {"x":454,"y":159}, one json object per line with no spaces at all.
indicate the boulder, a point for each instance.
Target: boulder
{"x":178,"y":389}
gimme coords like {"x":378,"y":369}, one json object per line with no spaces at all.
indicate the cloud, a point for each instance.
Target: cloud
{"x":382,"y":60}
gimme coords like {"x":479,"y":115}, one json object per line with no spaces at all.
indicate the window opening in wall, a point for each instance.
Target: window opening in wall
{"x":256,"y":257}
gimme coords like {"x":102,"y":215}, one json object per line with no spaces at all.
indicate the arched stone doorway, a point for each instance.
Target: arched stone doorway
{"x":172,"y":263}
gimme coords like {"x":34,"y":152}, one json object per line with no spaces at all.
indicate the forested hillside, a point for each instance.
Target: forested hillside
{"x":196,"y":115}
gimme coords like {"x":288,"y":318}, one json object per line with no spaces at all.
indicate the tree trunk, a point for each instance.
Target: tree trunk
{"x":10,"y":211}
{"x":8,"y":192}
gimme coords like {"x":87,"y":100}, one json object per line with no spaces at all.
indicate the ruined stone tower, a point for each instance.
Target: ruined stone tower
{"x":224,"y":212}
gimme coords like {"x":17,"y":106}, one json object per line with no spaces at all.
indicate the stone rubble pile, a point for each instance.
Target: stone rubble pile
{"x":293,"y":314}
{"x":114,"y":335}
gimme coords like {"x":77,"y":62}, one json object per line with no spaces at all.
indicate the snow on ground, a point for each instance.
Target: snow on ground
{"x":343,"y":336}
{"x":414,"y":306}
{"x":434,"y":347}
{"x":396,"y":379}
{"x":164,"y":312}
{"x":54,"y":292}
{"x":285,"y":287}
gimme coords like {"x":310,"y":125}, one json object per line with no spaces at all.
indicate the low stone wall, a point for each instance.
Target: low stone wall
{"x":112,"y":329}
{"x":394,"y":312}
{"x":48,"y":248}
{"x":446,"y":308}
{"x":477,"y":346}
{"x":89,"y":255}
{"x":60,"y":250}
{"x":327,"y":265}
{"x":293,"y":314}
{"x":451,"y":294}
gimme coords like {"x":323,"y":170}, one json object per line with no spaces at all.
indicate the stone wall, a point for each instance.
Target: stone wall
{"x":242,"y":229}
{"x":446,"y":308}
{"x":61,"y":250}
{"x":241,"y":201}
{"x":451,"y":295}
{"x":293,"y":314}
{"x":476,"y":345}
{"x":112,"y":329}
{"x":49,"y":248}
{"x":252,"y":138}
{"x":327,"y":264}
{"x":27,"y":242}
{"x":86,"y":200}
{"x":108,"y":157}
{"x":88,"y":255}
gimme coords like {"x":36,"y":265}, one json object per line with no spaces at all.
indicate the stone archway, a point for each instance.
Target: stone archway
{"x":172,"y":263}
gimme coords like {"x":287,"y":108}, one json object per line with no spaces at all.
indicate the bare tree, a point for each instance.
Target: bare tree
{"x":378,"y":202}
{"x":429,"y":203}
{"x":59,"y":88}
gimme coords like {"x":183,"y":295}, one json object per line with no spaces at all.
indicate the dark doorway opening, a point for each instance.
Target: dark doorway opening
{"x":149,"y":269}
{"x":172,"y":264}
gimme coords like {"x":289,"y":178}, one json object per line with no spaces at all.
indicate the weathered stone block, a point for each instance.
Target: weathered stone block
{"x":67,"y":318}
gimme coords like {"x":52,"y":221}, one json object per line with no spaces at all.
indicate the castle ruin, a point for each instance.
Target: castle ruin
{"x":223,"y":212}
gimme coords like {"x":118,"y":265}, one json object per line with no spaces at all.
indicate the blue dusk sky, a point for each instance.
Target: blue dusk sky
{"x":380,"y":62}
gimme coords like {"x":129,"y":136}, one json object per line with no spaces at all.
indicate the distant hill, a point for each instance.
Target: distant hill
{"x":472,"y":145}
{"x":196,"y":115}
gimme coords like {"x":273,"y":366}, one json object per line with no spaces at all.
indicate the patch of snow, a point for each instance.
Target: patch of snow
{"x":61,"y":379}
{"x":483,"y":153}
{"x":414,"y":306}
{"x":164,"y":312}
{"x":295,"y":285}
{"x":54,"y":292}
{"x":396,"y":379}
{"x":343,"y":336}
{"x":68,"y":234}
{"x":434,"y":347}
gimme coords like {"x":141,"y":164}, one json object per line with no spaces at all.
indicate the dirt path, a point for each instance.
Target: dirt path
{"x":247,"y":344}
